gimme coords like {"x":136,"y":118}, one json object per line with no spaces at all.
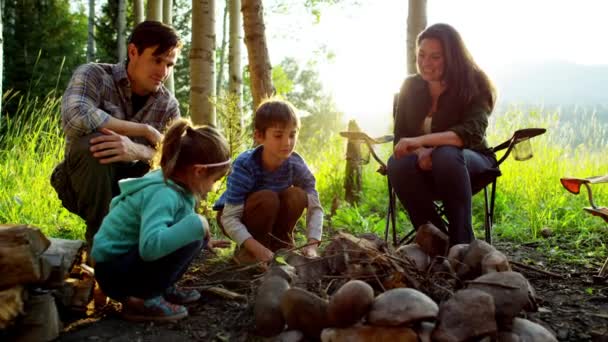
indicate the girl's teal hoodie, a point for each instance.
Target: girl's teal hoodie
{"x":156,"y":216}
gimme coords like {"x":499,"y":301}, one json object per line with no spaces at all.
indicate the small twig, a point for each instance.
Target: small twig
{"x":528,"y":267}
{"x":237,"y":268}
{"x":222,"y":292}
{"x":379,"y":283}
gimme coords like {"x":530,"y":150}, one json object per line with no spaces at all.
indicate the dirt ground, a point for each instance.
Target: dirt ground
{"x":573,"y":306}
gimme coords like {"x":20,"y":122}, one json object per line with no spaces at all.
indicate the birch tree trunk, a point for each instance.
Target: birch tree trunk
{"x":257,"y":51}
{"x":155,"y":10}
{"x":121,"y":26}
{"x":138,"y":11}
{"x":91,"y":37}
{"x":1,"y":57}
{"x":168,"y":19}
{"x":220,"y":71}
{"x":202,"y":62}
{"x":416,"y":22}
{"x":235,"y":77}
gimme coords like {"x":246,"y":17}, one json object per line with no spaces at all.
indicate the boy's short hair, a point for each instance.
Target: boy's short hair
{"x":272,"y":113}
{"x":152,"y":33}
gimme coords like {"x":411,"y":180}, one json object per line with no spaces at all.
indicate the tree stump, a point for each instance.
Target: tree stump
{"x":352,"y":181}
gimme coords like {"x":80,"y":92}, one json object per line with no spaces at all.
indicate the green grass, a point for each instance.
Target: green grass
{"x":31,"y":145}
{"x":529,"y":195}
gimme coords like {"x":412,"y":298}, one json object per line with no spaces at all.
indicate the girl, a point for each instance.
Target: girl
{"x":152,"y":232}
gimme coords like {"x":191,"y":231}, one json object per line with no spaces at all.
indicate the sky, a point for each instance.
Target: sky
{"x":368,"y":42}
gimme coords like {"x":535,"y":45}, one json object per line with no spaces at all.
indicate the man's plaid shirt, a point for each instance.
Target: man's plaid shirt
{"x":98,"y":91}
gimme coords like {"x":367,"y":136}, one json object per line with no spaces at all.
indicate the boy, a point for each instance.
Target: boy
{"x":268,"y":189}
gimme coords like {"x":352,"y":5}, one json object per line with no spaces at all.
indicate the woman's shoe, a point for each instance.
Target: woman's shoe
{"x":154,"y":309}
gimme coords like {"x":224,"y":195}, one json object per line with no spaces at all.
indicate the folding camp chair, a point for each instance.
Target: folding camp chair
{"x":481,"y":182}
{"x":574,"y":186}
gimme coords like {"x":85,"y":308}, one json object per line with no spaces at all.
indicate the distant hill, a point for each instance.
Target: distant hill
{"x":553,"y":84}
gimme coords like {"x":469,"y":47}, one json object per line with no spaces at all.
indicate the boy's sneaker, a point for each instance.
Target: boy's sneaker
{"x":176,"y":295}
{"x":154,"y":309}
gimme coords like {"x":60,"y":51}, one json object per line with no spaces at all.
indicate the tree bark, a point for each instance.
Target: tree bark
{"x":220,"y":71}
{"x":416,"y":22}
{"x":235,"y":77}
{"x":1,"y":58}
{"x":257,"y":50}
{"x":138,"y":11}
{"x":202,"y":63}
{"x":121,"y":26}
{"x":168,"y":19}
{"x":155,"y":10}
{"x":91,"y":37}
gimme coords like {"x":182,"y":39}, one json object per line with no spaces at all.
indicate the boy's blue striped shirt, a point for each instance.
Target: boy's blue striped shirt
{"x":248,"y":176}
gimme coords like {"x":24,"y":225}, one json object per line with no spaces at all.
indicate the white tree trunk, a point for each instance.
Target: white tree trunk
{"x":202,"y":62}
{"x":222,"y":61}
{"x":235,"y":77}
{"x":121,"y":26}
{"x":155,"y":10}
{"x":1,"y":58}
{"x":416,"y":22}
{"x":168,"y":19}
{"x":138,"y":11}
{"x":257,"y":51}
{"x":91,"y":37}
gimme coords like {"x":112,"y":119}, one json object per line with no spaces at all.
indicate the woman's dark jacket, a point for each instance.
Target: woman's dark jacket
{"x":468,"y":120}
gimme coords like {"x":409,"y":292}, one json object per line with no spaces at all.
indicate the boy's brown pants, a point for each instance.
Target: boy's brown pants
{"x":270,"y":217}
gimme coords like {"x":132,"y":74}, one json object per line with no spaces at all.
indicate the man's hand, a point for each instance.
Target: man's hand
{"x":425,"y":162}
{"x":112,"y":147}
{"x":152,"y":135}
{"x":311,"y":248}
{"x":406,"y":146}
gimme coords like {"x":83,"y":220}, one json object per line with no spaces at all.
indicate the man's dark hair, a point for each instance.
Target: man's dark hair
{"x":152,"y":33}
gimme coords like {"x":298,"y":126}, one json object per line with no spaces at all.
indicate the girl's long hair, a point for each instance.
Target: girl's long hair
{"x":184,"y":146}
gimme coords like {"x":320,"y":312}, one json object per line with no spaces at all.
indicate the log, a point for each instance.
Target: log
{"x":70,"y":249}
{"x":16,"y":234}
{"x":11,"y":305}
{"x":41,"y":322}
{"x":52,"y":270}
{"x":18,"y":265}
{"x":20,"y":249}
{"x":75,"y":293}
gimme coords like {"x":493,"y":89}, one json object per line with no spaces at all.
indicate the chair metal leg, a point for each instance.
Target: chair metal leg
{"x":392,"y":201}
{"x":489,"y":211}
{"x":390,"y":214}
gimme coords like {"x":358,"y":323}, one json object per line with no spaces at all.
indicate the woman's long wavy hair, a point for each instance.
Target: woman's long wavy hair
{"x":460,"y":70}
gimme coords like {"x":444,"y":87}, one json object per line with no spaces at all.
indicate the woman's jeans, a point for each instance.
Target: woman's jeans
{"x":449,"y":181}
{"x":129,"y":275}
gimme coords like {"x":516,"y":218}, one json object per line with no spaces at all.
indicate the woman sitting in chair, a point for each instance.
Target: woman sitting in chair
{"x":440,"y":124}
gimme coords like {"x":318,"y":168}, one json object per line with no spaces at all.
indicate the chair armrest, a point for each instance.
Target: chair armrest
{"x":517,"y":137}
{"x":370,"y":142}
{"x":573,"y":185}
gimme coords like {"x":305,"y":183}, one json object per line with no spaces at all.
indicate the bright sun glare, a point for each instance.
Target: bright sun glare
{"x":368,"y":41}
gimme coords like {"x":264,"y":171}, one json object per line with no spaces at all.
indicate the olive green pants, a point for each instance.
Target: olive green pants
{"x":86,"y":187}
